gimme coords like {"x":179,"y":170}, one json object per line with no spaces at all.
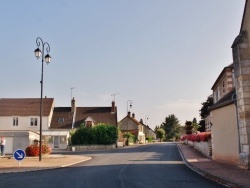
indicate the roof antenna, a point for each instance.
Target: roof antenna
{"x":71,"y":92}
{"x":114,"y":95}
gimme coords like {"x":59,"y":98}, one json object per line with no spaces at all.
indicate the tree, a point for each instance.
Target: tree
{"x":204,"y":111}
{"x":160,"y":133}
{"x":172,"y":127}
{"x":195,"y":125}
{"x":202,"y":126}
{"x":156,"y":127}
{"x":188,"y":127}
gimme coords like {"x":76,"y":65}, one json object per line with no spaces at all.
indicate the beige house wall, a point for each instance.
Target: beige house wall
{"x":225,"y":142}
{"x":23,"y":123}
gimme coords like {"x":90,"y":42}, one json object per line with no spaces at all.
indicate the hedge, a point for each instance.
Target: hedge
{"x":101,"y":134}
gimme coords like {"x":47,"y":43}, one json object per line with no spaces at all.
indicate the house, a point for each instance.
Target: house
{"x":222,"y":120}
{"x":130,"y":124}
{"x":149,"y":133}
{"x":67,"y":118}
{"x":20,"y":120}
{"x":241,"y":60}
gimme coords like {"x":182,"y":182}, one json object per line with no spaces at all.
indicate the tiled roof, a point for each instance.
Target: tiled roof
{"x":25,"y":106}
{"x":99,"y":114}
{"x":223,"y":72}
{"x":62,"y":118}
{"x":224,"y":101}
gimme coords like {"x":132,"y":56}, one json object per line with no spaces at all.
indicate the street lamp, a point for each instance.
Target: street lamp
{"x":47,"y":59}
{"x":129,"y":103}
{"x":146,"y":118}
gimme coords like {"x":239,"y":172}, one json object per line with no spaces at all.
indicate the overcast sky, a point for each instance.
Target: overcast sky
{"x":164,"y":55}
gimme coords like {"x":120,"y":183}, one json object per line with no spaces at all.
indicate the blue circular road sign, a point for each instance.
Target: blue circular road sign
{"x":19,"y":154}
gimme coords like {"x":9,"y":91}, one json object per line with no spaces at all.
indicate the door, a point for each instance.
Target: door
{"x":56,"y":141}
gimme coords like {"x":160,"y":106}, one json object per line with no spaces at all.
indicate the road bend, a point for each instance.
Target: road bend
{"x":144,"y":166}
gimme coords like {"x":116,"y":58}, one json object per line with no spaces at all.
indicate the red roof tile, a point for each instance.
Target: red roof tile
{"x":25,"y":106}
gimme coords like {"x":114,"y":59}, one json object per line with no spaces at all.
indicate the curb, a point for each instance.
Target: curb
{"x":76,"y":162}
{"x":32,"y":169}
{"x":207,"y":175}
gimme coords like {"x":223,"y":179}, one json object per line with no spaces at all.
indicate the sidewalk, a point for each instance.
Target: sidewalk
{"x":9,"y":165}
{"x":225,"y":173}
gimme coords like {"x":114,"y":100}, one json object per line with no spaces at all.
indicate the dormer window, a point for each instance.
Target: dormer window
{"x":60,"y":120}
{"x":89,"y":122}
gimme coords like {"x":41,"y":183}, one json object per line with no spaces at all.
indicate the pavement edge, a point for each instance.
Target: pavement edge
{"x":70,"y":164}
{"x":206,"y":174}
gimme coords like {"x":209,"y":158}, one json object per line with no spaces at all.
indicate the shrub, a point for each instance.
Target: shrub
{"x":150,"y":139}
{"x":100,"y":134}
{"x":204,"y":137}
{"x":105,"y":134}
{"x":33,"y":150}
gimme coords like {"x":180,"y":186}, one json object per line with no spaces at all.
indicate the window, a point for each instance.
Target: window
{"x":60,"y":120}
{"x":15,"y":121}
{"x":33,"y":121}
{"x":63,"y":140}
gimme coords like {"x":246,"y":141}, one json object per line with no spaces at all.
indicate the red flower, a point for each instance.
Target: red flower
{"x":33,"y":150}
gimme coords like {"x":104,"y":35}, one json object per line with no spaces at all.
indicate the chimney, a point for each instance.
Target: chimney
{"x":129,"y":113}
{"x":133,"y":115}
{"x":141,"y":121}
{"x":113,"y":107}
{"x":73,"y":105}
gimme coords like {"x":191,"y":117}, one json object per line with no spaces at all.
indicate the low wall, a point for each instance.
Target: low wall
{"x":204,"y":147}
{"x":90,"y":147}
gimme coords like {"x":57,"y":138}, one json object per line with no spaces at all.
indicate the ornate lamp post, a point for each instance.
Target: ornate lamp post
{"x":129,"y":105}
{"x":47,"y":59}
{"x":146,"y":118}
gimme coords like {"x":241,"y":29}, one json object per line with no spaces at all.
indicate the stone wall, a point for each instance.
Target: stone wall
{"x":204,"y":147}
{"x":241,"y":58}
{"x":91,"y":147}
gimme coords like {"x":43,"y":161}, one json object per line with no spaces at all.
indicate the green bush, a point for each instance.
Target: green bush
{"x":100,"y":134}
{"x":150,"y":139}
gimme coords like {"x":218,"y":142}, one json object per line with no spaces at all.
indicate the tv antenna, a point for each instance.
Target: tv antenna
{"x":71,"y":92}
{"x":114,"y":95}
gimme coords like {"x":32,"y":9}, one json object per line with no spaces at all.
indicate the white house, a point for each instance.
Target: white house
{"x":20,"y":120}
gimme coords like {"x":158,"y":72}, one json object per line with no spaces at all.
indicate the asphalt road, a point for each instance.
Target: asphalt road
{"x":156,"y":165}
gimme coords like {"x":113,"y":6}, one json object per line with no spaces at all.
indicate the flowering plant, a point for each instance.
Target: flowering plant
{"x":204,"y":136}
{"x":33,"y":150}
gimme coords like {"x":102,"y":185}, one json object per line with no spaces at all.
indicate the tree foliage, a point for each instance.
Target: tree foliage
{"x":204,"y":111}
{"x":202,"y":126}
{"x":99,"y":134}
{"x":129,"y":136}
{"x":172,"y":127}
{"x":195,"y":125}
{"x":160,"y":133}
{"x":156,"y":127}
{"x":188,"y":127}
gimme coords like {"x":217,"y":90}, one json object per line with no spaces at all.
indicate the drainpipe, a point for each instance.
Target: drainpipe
{"x":234,"y":98}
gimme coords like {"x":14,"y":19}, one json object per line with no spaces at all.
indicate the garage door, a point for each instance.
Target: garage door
{"x":9,"y":145}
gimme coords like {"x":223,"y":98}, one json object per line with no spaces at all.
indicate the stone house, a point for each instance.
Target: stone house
{"x":130,"y":124}
{"x":241,"y":60}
